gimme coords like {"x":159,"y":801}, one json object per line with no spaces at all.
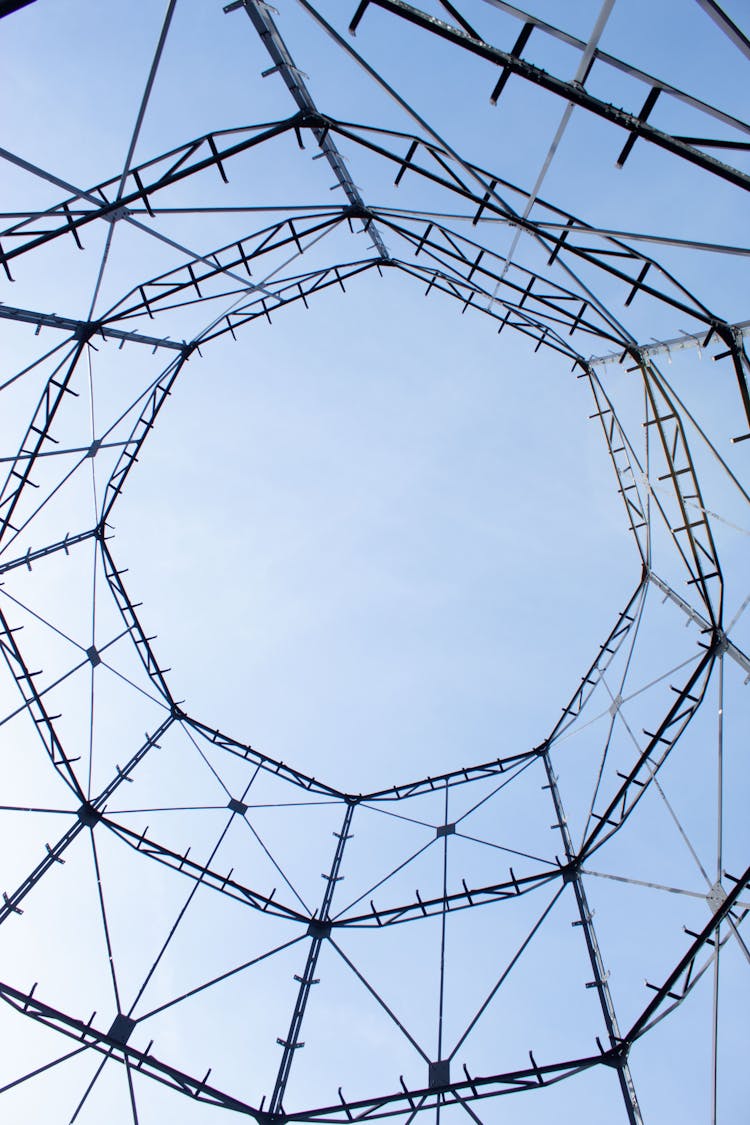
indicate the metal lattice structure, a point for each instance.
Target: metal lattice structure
{"x":167,"y":874}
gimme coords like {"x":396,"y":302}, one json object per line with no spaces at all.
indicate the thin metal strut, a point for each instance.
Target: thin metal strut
{"x":263,"y":22}
{"x":319,"y":930}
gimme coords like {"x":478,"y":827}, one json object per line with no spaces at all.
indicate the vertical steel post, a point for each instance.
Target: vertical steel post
{"x":87,"y":816}
{"x":319,"y":930}
{"x":600,"y":977}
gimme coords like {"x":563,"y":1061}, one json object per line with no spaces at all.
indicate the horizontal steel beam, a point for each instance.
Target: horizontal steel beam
{"x":569,"y":91}
{"x":85,"y":329}
{"x":263,"y":22}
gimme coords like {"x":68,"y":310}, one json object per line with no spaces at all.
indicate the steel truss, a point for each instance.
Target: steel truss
{"x":561,"y":296}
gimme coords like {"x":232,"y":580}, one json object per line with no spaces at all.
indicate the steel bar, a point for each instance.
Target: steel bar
{"x":460,"y":776}
{"x":140,"y":431}
{"x":143,"y":1062}
{"x":727,"y":25}
{"x":621,"y":459}
{"x":599,"y":665}
{"x":38,"y":432}
{"x":319,"y":929}
{"x":89,"y":814}
{"x":181,"y":167}
{"x":562,"y":297}
{"x":548,"y":239}
{"x":271,"y":765}
{"x":489,"y":202}
{"x":702,"y":622}
{"x":33,"y":555}
{"x":676,"y":344}
{"x":32,"y":699}
{"x":579,"y":79}
{"x":603,"y":992}
{"x":133,"y":625}
{"x":618,"y":64}
{"x":202,"y":873}
{"x":662,"y":740}
{"x":86,"y":328}
{"x":393,"y":1104}
{"x":663,"y":992}
{"x":471,"y":897}
{"x":487,"y":186}
{"x":294,"y":289}
{"x":153,"y":294}
{"x":7,"y":7}
{"x":703,"y":564}
{"x":264,"y":24}
{"x":570,"y":92}
{"x":553,"y":299}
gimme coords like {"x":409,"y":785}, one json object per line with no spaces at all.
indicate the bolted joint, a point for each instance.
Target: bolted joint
{"x":358,"y":211}
{"x":439,"y":1074}
{"x":84,"y":332}
{"x":116,"y":215}
{"x":319,"y":929}
{"x":89,"y":815}
{"x":121,"y":1029}
{"x":617,"y":1056}
{"x":570,"y":872}
{"x":310,"y":119}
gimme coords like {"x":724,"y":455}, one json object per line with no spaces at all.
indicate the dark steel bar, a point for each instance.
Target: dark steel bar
{"x":625,"y":1078}
{"x":399,"y":1103}
{"x":36,"y":435}
{"x":271,"y":765}
{"x":117,"y":209}
{"x":727,"y":25}
{"x":456,"y":777}
{"x":598,"y":666}
{"x":683,"y":477}
{"x":157,"y":291}
{"x":85,"y":328}
{"x":143,"y":426}
{"x":703,"y":623}
{"x":704,"y":937}
{"x":141,"y":641}
{"x":34,"y":704}
{"x":569,"y":91}
{"x":264,"y":24}
{"x":473,"y":897}
{"x":618,"y":64}
{"x":201,"y":873}
{"x":666,"y":735}
{"x":319,"y":929}
{"x":622,"y":463}
{"x":9,"y":6}
{"x":32,"y":556}
{"x":89,"y":814}
{"x":143,"y":1062}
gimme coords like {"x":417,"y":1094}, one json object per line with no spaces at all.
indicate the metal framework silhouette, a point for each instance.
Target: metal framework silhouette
{"x":658,"y":711}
